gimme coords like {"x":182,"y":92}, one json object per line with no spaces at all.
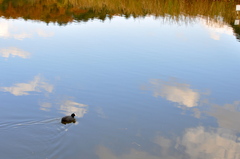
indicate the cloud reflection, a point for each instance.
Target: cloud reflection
{"x":105,"y":153}
{"x":12,"y":29}
{"x":198,"y":142}
{"x":5,"y":31}
{"x":68,"y":107}
{"x":214,"y":143}
{"x":45,"y":106}
{"x":43,"y":33}
{"x":228,"y":116}
{"x":216,"y":29}
{"x":176,"y":92}
{"x":36,"y":85}
{"x":13,"y":51}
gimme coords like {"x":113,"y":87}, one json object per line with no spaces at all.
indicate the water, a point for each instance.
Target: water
{"x":146,"y":87}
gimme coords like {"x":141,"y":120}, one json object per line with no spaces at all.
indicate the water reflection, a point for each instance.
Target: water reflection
{"x":101,"y":113}
{"x":87,"y":67}
{"x":45,"y":106}
{"x":237,"y":17}
{"x":201,"y":141}
{"x":227,"y":116}
{"x":214,"y":143}
{"x":13,"y":52}
{"x":105,"y":153}
{"x":64,"y":12}
{"x":216,"y":29}
{"x":5,"y":32}
{"x":68,"y":107}
{"x":14,"y":29}
{"x":43,"y":33}
{"x":38,"y":84}
{"x":68,"y":10}
{"x":198,"y":142}
{"x":174,"y":91}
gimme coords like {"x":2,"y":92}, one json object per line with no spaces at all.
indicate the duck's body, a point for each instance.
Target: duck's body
{"x":69,"y":119}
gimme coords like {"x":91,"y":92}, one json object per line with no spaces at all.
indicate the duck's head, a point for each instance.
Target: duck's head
{"x":73,"y":115}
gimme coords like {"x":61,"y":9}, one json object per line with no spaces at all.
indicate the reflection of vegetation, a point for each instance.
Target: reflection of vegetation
{"x":65,"y":11}
{"x":44,"y":10}
{"x":236,"y":30}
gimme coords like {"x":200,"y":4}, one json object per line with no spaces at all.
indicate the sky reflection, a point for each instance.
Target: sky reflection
{"x":198,"y":142}
{"x":201,"y":141}
{"x":13,"y":52}
{"x":38,"y":84}
{"x":105,"y":153}
{"x":68,"y":107}
{"x":16,"y":30}
{"x":97,"y":68}
{"x":45,"y":106}
{"x":227,"y":116}
{"x":217,"y":29}
{"x":174,"y":91}
{"x":214,"y":143}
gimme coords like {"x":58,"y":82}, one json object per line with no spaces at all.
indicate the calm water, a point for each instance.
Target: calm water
{"x":142,"y":88}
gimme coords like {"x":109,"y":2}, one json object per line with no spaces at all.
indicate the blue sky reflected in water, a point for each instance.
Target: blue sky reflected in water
{"x":141,"y":88}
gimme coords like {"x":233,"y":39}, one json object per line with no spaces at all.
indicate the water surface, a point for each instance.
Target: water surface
{"x":149,"y":86}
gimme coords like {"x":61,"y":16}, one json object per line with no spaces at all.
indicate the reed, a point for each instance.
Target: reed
{"x":64,"y":11}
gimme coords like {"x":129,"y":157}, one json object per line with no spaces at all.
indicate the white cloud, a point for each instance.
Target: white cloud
{"x":13,"y":51}
{"x":216,"y":29}
{"x":43,"y":33}
{"x":68,"y":107}
{"x":8,"y":30}
{"x":45,"y":106}
{"x":195,"y":143}
{"x":12,"y":29}
{"x":36,"y":85}
{"x":21,"y":36}
{"x":176,"y":92}
{"x":215,"y":143}
{"x":4,"y":29}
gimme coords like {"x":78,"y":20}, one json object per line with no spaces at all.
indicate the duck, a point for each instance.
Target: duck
{"x":69,"y":119}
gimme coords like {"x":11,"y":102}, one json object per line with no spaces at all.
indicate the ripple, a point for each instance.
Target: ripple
{"x":33,"y":138}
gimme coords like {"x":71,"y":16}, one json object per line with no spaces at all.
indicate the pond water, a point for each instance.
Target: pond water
{"x":142,"y":87}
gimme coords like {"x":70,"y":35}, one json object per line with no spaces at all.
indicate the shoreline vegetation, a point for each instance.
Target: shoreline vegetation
{"x":63,"y":12}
